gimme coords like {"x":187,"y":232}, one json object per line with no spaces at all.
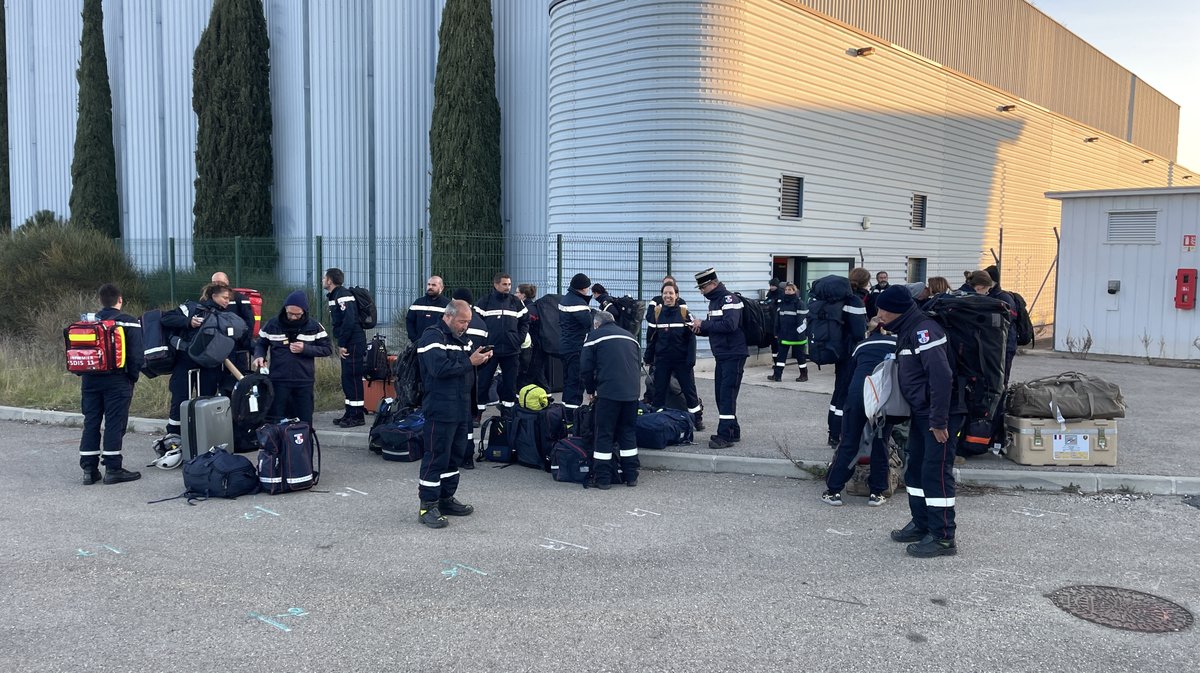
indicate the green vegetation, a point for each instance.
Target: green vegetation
{"x":94,"y":167}
{"x":464,"y":143}
{"x":231,"y":94}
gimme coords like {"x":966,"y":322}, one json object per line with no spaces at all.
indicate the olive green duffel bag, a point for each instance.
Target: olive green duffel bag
{"x":1069,"y":395}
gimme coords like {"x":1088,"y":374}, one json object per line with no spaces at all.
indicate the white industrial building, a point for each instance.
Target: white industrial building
{"x":794,"y":137}
{"x":1131,"y":257}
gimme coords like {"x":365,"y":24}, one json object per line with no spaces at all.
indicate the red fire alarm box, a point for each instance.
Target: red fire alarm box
{"x":1185,"y":289}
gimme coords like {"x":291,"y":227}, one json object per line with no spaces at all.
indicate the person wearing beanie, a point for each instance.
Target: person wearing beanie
{"x":289,"y":344}
{"x":574,"y":323}
{"x":918,"y":291}
{"x":925,"y":378}
{"x":723,"y":327}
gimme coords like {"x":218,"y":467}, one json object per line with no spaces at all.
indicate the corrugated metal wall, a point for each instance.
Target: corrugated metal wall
{"x":1144,"y":308}
{"x":679,"y":118}
{"x":1012,"y":45}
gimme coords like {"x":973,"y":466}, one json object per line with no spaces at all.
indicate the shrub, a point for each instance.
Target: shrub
{"x":53,"y":260}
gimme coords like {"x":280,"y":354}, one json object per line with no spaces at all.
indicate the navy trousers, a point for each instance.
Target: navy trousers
{"x":727,"y":384}
{"x":929,"y":477}
{"x":352,"y":378}
{"x":572,"y":392}
{"x":616,"y":423}
{"x":843,"y":371}
{"x":686,"y":375}
{"x":854,"y":427}
{"x":507,"y":390}
{"x":104,"y":397}
{"x":292,"y":400}
{"x":445,"y":451}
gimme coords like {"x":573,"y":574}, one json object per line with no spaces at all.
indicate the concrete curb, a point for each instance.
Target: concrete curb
{"x":1088,"y":482}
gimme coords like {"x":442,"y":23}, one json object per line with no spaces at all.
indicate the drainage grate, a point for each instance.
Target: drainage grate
{"x":1122,"y":609}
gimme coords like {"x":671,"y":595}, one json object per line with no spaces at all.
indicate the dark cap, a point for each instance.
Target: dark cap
{"x":580,"y":281}
{"x":706,"y":276}
{"x":463,"y":294}
{"x":895,"y":299}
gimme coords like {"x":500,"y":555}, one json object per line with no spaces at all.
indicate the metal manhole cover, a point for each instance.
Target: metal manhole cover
{"x":1122,"y":608}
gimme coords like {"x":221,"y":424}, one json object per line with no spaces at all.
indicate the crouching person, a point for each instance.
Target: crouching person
{"x":609,"y":366}
{"x":448,"y":359}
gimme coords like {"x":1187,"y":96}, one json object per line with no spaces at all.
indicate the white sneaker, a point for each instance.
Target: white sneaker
{"x":831,"y":498}
{"x":876,"y":499}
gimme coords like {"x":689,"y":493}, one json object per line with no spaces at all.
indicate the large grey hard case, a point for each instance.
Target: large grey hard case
{"x":206,"y":421}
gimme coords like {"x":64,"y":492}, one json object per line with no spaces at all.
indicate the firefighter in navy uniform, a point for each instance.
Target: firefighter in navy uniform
{"x":610,"y":366}
{"x":507,"y":322}
{"x":477,"y":333}
{"x":448,"y":360}
{"x":728,"y":345}
{"x":671,"y":352}
{"x":241,"y":305}
{"x":426,"y":310}
{"x":352,"y":347}
{"x":105,"y":396}
{"x":925,"y":376}
{"x":791,"y":319}
{"x":574,"y":323}
{"x":290,"y":342}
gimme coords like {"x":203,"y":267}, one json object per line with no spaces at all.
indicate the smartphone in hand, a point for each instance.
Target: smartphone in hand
{"x":485,"y":349}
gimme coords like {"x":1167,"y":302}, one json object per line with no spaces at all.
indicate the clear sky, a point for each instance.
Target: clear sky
{"x":1157,"y":40}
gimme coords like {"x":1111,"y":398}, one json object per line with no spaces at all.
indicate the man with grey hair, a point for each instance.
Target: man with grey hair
{"x":427,"y":309}
{"x":613,"y":387}
{"x":448,"y":359}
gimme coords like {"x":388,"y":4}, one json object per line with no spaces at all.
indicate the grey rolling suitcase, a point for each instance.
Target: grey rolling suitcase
{"x":206,"y":421}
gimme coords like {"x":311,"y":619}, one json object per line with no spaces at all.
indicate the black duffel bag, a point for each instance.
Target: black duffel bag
{"x":1069,"y":395}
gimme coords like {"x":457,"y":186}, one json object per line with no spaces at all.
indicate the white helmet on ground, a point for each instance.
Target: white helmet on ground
{"x":170,"y":452}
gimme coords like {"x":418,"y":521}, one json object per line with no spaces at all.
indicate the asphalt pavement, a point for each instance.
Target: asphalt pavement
{"x":686,"y":572}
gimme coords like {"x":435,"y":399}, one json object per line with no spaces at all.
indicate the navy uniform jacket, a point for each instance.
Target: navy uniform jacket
{"x":611,"y":364}
{"x":447,"y":374}
{"x":344,"y":313}
{"x":423,"y":313}
{"x":724,"y":324}
{"x":790,"y":320}
{"x":507,"y":322}
{"x":133,"y":344}
{"x":924,"y":370}
{"x":179,"y":320}
{"x":866,"y":356}
{"x":574,"y":322}
{"x":273,"y":343}
{"x":669,"y":337}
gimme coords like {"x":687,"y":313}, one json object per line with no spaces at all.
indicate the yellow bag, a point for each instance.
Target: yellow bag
{"x":533,"y":397}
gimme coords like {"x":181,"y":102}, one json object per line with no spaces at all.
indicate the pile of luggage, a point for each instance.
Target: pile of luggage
{"x":1066,"y":419}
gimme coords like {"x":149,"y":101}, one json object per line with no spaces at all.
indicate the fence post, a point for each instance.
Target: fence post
{"x":668,"y":257}
{"x":171,"y":267}
{"x":559,"y":256}
{"x":237,"y":261}
{"x":641,"y":266}
{"x":319,"y":253}
{"x":420,"y":258}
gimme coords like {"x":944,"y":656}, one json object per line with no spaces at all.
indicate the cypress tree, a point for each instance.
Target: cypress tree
{"x":464,"y":144}
{"x":231,"y":95}
{"x":5,"y":203}
{"x":94,"y":166}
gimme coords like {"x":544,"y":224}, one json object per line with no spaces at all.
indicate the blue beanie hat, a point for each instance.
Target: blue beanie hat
{"x":297,"y":299}
{"x":895,"y":299}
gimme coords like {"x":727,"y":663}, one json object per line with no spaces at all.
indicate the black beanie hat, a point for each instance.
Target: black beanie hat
{"x":994,"y":272}
{"x":895,"y":299}
{"x":580,"y":281}
{"x":463,"y":294}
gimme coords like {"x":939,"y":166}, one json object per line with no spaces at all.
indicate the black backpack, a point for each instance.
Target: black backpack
{"x":158,"y":354}
{"x":367,"y":316}
{"x":627,"y":313}
{"x":758,"y":333}
{"x":827,"y":321}
{"x":977,"y":331}
{"x":407,"y":372}
{"x":216,"y":473}
{"x":1023,"y":324}
{"x":377,"y":367}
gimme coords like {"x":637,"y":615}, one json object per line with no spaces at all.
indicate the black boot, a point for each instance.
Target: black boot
{"x":429,"y":515}
{"x":910,"y":533}
{"x":452,"y":507}
{"x":91,"y":476}
{"x":342,"y":419}
{"x":930,"y":547}
{"x":116,"y":475}
{"x":803,"y":375}
{"x":354,"y":419}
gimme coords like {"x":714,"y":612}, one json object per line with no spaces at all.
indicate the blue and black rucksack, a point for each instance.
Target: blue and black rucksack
{"x":827,"y":339}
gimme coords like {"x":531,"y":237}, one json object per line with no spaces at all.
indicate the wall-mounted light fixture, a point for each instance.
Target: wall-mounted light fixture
{"x":864,"y":51}
{"x":1006,"y":108}
{"x":1091,"y":139}
{"x":1147,"y":161}
{"x":866,"y":223}
{"x":1187,"y":177}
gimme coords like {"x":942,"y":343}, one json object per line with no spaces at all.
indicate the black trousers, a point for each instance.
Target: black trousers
{"x":292,"y":400}
{"x":509,"y":368}
{"x":727,"y":385}
{"x":616,"y":423}
{"x":104,"y":397}
{"x":445,"y":450}
{"x":843,"y":371}
{"x":929,"y":477}
{"x":686,"y":375}
{"x":352,"y":378}
{"x":572,"y":393}
{"x":210,"y":381}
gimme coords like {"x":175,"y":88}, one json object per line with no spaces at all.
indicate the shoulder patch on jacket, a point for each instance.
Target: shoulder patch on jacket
{"x":729,"y":299}
{"x":923,"y":336}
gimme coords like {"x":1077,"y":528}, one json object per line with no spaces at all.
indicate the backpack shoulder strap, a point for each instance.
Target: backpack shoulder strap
{"x":657,"y":312}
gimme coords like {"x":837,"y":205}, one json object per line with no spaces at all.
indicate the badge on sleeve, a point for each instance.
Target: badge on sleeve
{"x":728,"y":299}
{"x":923,"y":336}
